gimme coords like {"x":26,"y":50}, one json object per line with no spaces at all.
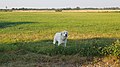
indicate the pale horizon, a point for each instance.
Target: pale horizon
{"x":59,"y":3}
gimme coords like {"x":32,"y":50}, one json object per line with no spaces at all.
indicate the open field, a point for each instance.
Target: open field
{"x":26,"y":39}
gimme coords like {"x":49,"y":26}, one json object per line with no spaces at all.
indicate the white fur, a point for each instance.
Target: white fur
{"x":61,"y":38}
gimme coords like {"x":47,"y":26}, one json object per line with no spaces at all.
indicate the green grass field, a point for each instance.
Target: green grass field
{"x":26,"y":38}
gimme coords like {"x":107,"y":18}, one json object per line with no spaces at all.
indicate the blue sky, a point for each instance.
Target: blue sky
{"x":58,"y":3}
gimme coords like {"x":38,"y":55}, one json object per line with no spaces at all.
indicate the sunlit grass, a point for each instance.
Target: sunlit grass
{"x":44,"y":25}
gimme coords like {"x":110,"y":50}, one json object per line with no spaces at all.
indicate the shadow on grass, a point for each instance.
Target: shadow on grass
{"x":84,"y":47}
{"x":11,"y":24}
{"x":43,"y":45}
{"x":77,"y":51}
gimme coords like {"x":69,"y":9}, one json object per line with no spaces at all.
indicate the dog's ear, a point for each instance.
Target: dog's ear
{"x":61,"y":34}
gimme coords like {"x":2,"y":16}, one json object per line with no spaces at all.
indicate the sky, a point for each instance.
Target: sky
{"x":58,"y":3}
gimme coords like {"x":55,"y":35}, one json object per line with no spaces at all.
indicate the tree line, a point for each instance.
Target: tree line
{"x":60,"y":9}
{"x":76,"y":8}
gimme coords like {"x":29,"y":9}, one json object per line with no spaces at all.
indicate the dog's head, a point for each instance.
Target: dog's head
{"x":64,"y":33}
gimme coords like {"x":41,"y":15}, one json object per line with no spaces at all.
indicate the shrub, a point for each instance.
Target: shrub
{"x":113,"y":49}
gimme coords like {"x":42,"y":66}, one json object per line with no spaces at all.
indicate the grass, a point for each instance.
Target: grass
{"x":27,"y":37}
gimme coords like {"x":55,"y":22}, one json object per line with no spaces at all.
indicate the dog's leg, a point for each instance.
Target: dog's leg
{"x":65,"y":43}
{"x":59,"y":42}
{"x":54,"y":41}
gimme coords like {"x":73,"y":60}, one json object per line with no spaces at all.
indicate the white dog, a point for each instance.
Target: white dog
{"x":61,"y":38}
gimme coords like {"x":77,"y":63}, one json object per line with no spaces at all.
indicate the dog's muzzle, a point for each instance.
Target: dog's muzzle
{"x":66,"y":35}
